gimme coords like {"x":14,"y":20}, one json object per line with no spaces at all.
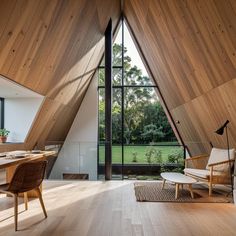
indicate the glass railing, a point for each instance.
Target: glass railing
{"x":76,"y":161}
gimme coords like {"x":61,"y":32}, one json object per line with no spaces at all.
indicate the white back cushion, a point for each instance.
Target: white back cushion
{"x":219,"y":155}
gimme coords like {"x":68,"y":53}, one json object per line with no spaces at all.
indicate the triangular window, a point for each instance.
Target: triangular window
{"x":140,"y":129}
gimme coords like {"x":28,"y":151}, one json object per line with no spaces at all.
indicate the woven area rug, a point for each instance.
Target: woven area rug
{"x":151,"y":192}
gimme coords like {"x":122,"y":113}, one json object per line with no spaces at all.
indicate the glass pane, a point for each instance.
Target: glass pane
{"x":134,"y":76}
{"x":145,"y":162}
{"x":148,"y":134}
{"x":116,"y":116}
{"x":101,"y":77}
{"x":117,"y":76}
{"x":135,"y":72}
{"x":117,"y":134}
{"x":145,"y":121}
{"x":153,"y":154}
{"x":101,"y":161}
{"x":116,"y":161}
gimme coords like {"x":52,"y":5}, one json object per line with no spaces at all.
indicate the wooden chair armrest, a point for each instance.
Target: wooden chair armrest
{"x":197,"y":157}
{"x":220,"y":163}
{"x":197,"y":162}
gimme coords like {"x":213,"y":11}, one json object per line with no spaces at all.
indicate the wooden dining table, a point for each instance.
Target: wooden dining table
{"x":10,"y":164}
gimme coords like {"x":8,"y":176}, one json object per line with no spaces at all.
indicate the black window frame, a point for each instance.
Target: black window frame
{"x":2,"y":102}
{"x":124,"y":86}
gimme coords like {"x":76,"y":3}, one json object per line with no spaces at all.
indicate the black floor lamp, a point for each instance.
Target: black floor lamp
{"x":220,"y":131}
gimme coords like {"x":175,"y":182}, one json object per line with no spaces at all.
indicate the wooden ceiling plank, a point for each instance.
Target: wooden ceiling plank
{"x":190,"y":48}
{"x":55,"y":42}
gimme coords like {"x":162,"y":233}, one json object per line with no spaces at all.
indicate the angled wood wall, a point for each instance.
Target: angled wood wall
{"x":190,"y":47}
{"x":53,"y":47}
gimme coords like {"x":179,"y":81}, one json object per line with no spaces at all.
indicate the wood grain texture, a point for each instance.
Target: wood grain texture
{"x":97,"y":208}
{"x":190,"y":47}
{"x":6,"y":162}
{"x":53,"y":48}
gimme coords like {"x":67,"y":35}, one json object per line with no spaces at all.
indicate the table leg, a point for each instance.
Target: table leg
{"x":26,"y":200}
{"x":191,"y":190}
{"x":176,"y":191}
{"x":163,"y":184}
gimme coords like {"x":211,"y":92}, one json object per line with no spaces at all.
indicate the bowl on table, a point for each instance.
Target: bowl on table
{"x":36,"y":151}
{"x":20,"y":155}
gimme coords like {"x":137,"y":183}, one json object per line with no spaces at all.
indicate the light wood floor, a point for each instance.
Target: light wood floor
{"x":109,"y":208}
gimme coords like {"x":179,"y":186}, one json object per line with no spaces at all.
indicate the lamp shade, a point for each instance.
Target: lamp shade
{"x":220,"y":131}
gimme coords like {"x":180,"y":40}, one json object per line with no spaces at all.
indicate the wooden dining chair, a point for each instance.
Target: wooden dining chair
{"x":28,"y":176}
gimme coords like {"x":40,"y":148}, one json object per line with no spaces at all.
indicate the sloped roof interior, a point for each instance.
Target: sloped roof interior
{"x":190,"y":47}
{"x":54,"y":47}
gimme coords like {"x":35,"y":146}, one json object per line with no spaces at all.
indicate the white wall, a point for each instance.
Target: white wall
{"x":79,"y":152}
{"x":19,"y":115}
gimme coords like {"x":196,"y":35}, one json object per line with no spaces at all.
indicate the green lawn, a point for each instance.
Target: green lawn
{"x":141,"y":151}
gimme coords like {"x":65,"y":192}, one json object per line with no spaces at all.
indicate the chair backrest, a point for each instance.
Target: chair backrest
{"x":219,"y":155}
{"x":27,"y":176}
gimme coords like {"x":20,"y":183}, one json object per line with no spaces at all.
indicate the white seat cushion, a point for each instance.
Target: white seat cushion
{"x":201,"y":173}
{"x":219,"y":155}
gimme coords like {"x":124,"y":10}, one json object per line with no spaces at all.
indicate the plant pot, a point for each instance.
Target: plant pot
{"x":3,"y":139}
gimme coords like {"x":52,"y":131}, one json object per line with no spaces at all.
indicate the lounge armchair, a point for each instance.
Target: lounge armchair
{"x":213,"y":169}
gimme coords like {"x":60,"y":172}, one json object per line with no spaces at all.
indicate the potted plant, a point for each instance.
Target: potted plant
{"x":3,"y":135}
